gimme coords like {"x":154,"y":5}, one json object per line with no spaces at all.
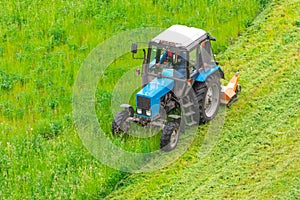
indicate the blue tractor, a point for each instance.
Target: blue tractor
{"x":181,"y":85}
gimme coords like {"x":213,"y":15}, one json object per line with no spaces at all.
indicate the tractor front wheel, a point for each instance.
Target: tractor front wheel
{"x":119,"y":123}
{"x":170,"y":136}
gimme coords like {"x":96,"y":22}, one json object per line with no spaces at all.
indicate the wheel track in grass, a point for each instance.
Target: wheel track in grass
{"x":254,"y":93}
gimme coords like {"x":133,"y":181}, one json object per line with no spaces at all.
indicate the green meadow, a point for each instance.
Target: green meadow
{"x":42,"y":47}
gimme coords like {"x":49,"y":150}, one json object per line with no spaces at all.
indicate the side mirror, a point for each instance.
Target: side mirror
{"x":134,"y":47}
{"x":212,"y":38}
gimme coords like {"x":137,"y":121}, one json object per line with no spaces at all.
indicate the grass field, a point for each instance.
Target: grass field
{"x":257,"y":155}
{"x":43,"y":45}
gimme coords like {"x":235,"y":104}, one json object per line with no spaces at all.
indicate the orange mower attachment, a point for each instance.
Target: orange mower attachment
{"x":230,"y":91}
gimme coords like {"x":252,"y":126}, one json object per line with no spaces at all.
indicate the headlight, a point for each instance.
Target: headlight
{"x":139,"y":111}
{"x":148,"y":113}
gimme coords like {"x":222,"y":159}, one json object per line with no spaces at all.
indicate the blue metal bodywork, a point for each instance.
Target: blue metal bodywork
{"x":154,"y":90}
{"x":159,"y":87}
{"x":202,"y":76}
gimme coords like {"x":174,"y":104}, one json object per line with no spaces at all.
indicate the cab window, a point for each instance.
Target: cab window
{"x":206,"y":58}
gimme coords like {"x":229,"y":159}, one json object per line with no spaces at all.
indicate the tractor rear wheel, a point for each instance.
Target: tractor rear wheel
{"x":208,"y":96}
{"x":119,"y":123}
{"x":170,"y":136}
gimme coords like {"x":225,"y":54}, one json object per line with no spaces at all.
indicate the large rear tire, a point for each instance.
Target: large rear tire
{"x":208,"y":96}
{"x":170,"y":136}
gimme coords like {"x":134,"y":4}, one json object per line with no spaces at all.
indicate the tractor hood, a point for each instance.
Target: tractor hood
{"x":148,"y":98}
{"x":157,"y":88}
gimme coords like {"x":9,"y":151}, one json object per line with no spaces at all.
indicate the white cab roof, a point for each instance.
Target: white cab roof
{"x":180,"y":36}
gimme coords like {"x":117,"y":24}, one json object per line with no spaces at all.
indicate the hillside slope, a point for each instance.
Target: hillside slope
{"x":258,"y":152}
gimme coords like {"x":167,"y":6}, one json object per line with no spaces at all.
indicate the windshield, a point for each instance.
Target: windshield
{"x":167,"y":61}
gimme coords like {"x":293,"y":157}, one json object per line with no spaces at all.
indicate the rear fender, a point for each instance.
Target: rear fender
{"x":204,"y":74}
{"x":129,"y":109}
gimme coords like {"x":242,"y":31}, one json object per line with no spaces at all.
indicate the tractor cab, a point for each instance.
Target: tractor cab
{"x":167,"y":60}
{"x":180,"y":53}
{"x":183,"y":50}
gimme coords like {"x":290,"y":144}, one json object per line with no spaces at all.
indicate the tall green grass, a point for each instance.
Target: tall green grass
{"x":42,"y":46}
